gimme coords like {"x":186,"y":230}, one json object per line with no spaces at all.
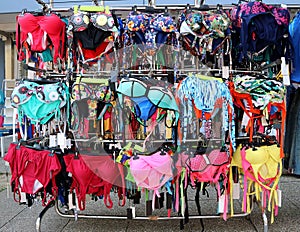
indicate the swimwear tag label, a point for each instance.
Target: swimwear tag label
{"x":285,"y":72}
{"x":221,"y":204}
{"x":206,"y":159}
{"x":22,"y":196}
{"x":61,"y":140}
{"x":245,"y":120}
{"x":30,"y":73}
{"x":68,"y":143}
{"x":225,"y":72}
{"x":236,"y":191}
{"x":70,"y":198}
{"x":279,"y":197}
{"x":133,"y":211}
{"x":52,"y":141}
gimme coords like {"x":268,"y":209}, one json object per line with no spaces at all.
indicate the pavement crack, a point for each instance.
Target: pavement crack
{"x":127,"y":226}
{"x":65,"y":225}
{"x":12,"y":218}
{"x":252,"y":223}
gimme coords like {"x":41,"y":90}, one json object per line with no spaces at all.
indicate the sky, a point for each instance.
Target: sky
{"x":19,"y":5}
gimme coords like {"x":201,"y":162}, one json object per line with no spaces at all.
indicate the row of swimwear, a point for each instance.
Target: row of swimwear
{"x":56,"y":174}
{"x":91,"y":32}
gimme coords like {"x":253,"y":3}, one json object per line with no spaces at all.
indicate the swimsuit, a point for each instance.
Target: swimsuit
{"x":151,"y":31}
{"x":151,"y":172}
{"x":92,"y":33}
{"x":39,"y":102}
{"x":32,"y":169}
{"x":147,"y":95}
{"x":87,"y":180}
{"x":201,"y":31}
{"x":261,"y":166}
{"x":208,"y":167}
{"x":38,"y":31}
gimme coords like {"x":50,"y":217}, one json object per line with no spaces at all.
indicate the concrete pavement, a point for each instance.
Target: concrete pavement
{"x":17,"y":218}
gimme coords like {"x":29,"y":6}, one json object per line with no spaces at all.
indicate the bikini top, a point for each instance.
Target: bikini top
{"x":263,"y":162}
{"x":80,"y":21}
{"x":36,"y":29}
{"x":150,"y":30}
{"x":208,"y":167}
{"x":45,"y":93}
{"x":147,"y":93}
{"x":206,"y":23}
{"x":39,"y":102}
{"x":152,"y":171}
{"x":204,"y":93}
{"x":280,"y":14}
{"x":137,"y":21}
{"x":262,"y":91}
{"x":92,"y":90}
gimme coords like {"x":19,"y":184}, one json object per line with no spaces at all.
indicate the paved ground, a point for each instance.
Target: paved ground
{"x":14,"y":217}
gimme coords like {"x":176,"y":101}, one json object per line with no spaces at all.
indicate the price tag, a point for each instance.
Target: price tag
{"x":221,"y":204}
{"x":285,"y":72}
{"x":61,"y":140}
{"x":52,"y":141}
{"x":279,"y":194}
{"x":70,"y":200}
{"x":22,"y":197}
{"x":225,"y":72}
{"x":133,"y":211}
{"x":236,"y":191}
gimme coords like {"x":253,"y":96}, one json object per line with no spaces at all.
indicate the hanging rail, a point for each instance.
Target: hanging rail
{"x":170,"y":7}
{"x":44,"y":5}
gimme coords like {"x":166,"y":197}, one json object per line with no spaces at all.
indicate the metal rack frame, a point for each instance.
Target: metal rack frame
{"x":76,"y":215}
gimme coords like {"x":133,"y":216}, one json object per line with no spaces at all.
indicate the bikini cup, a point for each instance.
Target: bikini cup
{"x":200,"y":163}
{"x":79,"y":21}
{"x":137,"y":22}
{"x":92,"y":91}
{"x":151,"y":171}
{"x":45,"y":93}
{"x":100,"y":20}
{"x":264,"y":161}
{"x":143,"y":108}
{"x":38,"y":25}
{"x":147,"y":96}
{"x":103,"y":21}
{"x":163,"y":23}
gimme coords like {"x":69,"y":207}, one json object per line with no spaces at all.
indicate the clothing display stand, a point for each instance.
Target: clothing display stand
{"x":102,"y":106}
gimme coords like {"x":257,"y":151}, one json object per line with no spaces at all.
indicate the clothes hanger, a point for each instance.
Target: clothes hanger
{"x":166,"y":12}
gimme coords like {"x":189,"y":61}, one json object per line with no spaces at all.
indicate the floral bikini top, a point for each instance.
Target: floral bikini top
{"x":150,"y":30}
{"x":39,"y":101}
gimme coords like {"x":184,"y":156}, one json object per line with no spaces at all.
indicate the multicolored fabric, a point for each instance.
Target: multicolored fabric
{"x":280,"y":14}
{"x":152,"y":31}
{"x":91,"y":34}
{"x":262,"y":91}
{"x":260,"y":26}
{"x":147,"y":95}
{"x":294,"y":30}
{"x":92,"y":91}
{"x":39,"y":32}
{"x":39,"y":102}
{"x":80,"y":21}
{"x":200,"y":28}
{"x":205,"y":94}
{"x":215,"y":23}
